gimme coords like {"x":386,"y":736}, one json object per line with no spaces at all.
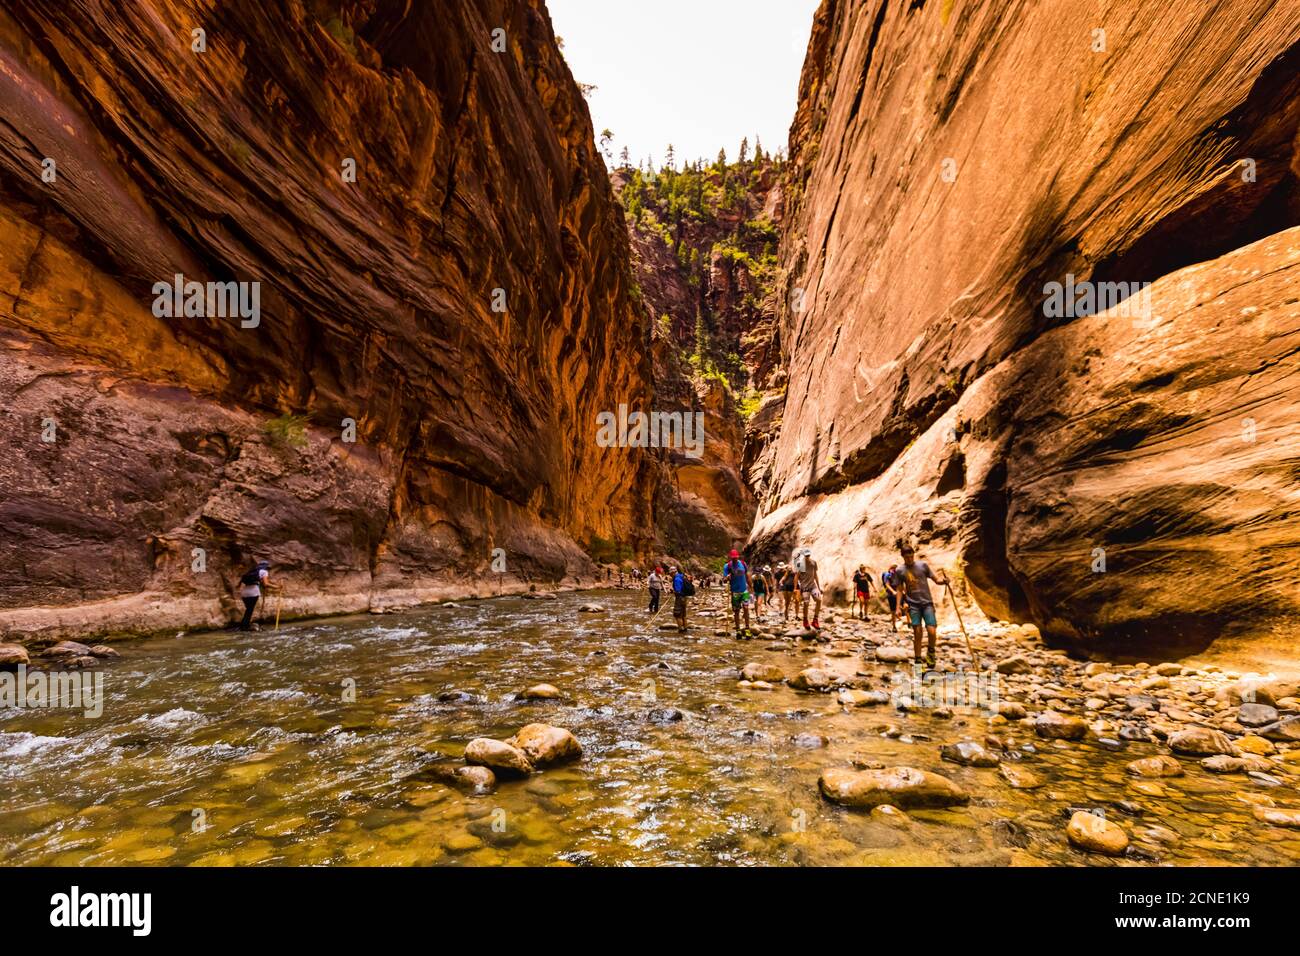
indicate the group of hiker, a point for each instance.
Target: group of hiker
{"x":748,"y":587}
{"x":905,"y":588}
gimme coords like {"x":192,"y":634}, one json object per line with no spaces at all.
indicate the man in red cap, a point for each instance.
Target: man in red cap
{"x":737,"y":572}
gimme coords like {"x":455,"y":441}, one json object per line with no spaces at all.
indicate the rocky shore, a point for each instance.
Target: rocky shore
{"x":1021,"y":698}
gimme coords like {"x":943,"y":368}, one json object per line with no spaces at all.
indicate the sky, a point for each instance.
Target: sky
{"x":700,"y":74}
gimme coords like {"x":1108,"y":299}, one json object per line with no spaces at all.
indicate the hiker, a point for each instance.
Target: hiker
{"x":889,"y":581}
{"x":760,"y":589}
{"x":912,"y":581}
{"x":655,"y":583}
{"x":736,"y":572}
{"x":682,"y":589}
{"x":785,"y":581}
{"x":250,"y":590}
{"x":810,"y":589}
{"x":861,"y":589}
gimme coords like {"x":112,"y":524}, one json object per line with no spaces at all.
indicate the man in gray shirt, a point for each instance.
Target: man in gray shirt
{"x":912,"y":580}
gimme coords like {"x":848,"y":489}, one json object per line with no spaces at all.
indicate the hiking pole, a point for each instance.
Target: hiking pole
{"x":279,"y":603}
{"x":962,"y":624}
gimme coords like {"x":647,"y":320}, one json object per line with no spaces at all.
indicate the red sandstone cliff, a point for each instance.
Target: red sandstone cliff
{"x":948,"y":161}
{"x":476,"y":170}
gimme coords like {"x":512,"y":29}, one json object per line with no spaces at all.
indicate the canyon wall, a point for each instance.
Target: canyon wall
{"x":1125,"y":477}
{"x":704,"y":279}
{"x":436,"y":336}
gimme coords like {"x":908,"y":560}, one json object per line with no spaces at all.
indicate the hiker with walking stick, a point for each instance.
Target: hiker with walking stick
{"x":912,"y":581}
{"x":250,"y":591}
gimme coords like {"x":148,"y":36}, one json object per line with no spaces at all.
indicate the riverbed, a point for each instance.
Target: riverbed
{"x":313,"y":745}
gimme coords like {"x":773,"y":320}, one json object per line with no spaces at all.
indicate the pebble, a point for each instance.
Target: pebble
{"x":1161,"y":765}
{"x":1056,"y":726}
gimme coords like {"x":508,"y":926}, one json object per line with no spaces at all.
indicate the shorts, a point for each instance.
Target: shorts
{"x":814,"y":593}
{"x":739,"y":598}
{"x":862,"y":595}
{"x":679,"y":606}
{"x":924,"y":612}
{"x":788,"y":588}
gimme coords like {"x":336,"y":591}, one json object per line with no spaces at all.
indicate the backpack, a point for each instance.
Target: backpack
{"x":251,"y":577}
{"x":688,"y":589}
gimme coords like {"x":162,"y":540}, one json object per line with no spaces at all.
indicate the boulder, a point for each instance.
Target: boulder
{"x":1256,"y":715}
{"x":1012,"y":710}
{"x":545,"y":745}
{"x":755,"y":671}
{"x":1285,"y":730}
{"x":1225,"y":763}
{"x":501,"y":756}
{"x":968,"y":754}
{"x":1056,"y":726}
{"x":812,"y":679}
{"x":541,"y":692}
{"x":1093,"y":833}
{"x":1277,"y":817}
{"x":904,"y":787}
{"x":862,"y":698}
{"x":68,"y":649}
{"x":1255,"y":744}
{"x":103,"y":650}
{"x":1015,"y":665}
{"x":1020,"y":778}
{"x":893,"y":655}
{"x":1161,"y":765}
{"x":11,"y":655}
{"x":1200,"y":742}
{"x":472,"y":779}
{"x":591,"y":609}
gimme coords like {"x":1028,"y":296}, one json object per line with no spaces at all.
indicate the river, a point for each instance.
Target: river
{"x":227,"y":748}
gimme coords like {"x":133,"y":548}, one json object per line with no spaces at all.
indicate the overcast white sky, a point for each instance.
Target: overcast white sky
{"x":699,"y":74}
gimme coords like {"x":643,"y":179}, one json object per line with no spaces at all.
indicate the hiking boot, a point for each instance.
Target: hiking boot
{"x":930,"y":662}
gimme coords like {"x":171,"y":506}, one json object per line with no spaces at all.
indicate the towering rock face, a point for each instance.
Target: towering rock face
{"x":459,"y":307}
{"x":1126,"y":477}
{"x":703,"y":252}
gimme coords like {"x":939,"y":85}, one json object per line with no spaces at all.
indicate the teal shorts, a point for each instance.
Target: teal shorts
{"x":926,"y":613}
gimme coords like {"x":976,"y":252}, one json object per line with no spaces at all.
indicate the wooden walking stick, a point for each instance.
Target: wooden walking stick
{"x":279,"y":603}
{"x":962,"y":625}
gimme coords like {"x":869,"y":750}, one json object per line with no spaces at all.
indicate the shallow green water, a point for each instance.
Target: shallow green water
{"x":253,"y":733}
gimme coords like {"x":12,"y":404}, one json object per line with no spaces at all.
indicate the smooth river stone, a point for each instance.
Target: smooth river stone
{"x":903,"y":787}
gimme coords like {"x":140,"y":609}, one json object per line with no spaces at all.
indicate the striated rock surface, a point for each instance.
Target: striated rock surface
{"x":1099,"y":474}
{"x":703,"y":242}
{"x":475,"y":171}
